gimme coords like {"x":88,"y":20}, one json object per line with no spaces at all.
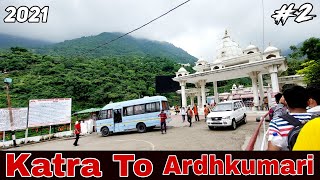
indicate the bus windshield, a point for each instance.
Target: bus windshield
{"x":165,"y":105}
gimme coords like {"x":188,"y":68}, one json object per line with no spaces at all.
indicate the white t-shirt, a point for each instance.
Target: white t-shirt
{"x":183,"y":111}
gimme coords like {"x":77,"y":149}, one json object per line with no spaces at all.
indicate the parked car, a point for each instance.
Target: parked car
{"x":227,"y":114}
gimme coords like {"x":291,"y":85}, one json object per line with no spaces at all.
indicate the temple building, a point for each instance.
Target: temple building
{"x":232,"y":62}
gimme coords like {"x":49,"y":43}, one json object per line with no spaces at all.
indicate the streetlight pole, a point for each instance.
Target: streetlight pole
{"x":7,"y":81}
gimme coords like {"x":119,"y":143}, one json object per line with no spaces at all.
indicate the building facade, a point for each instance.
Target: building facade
{"x":232,"y":62}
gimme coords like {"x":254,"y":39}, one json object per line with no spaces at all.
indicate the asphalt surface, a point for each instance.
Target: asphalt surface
{"x":179,"y":136}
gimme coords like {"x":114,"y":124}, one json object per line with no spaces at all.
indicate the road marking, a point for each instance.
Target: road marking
{"x":152,"y":145}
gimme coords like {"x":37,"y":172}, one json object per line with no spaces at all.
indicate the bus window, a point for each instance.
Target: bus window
{"x":157,"y":106}
{"x":102,"y":115}
{"x":128,"y":111}
{"x":105,"y":114}
{"x":165,"y":105}
{"x":139,"y":109}
{"x":152,"y":107}
{"x":109,"y":114}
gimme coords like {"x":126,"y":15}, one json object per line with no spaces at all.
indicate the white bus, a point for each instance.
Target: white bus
{"x":139,"y":114}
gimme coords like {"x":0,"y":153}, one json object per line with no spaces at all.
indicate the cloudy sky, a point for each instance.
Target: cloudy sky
{"x":196,"y":27}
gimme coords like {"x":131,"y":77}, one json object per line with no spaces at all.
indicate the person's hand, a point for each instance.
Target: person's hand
{"x":261,"y":118}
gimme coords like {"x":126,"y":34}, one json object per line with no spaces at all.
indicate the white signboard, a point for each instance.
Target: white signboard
{"x":45,"y":112}
{"x":19,"y":119}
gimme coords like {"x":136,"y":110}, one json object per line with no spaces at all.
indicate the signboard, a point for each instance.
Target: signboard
{"x":46,"y":112}
{"x":19,"y":119}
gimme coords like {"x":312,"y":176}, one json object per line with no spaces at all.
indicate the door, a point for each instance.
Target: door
{"x":237,"y":110}
{"x":117,"y":118}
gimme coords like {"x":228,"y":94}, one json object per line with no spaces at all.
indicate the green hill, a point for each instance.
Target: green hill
{"x":90,"y":82}
{"x":126,"y":46}
{"x":7,"y":41}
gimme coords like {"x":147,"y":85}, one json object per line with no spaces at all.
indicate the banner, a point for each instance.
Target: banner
{"x":19,"y":119}
{"x":45,"y":112}
{"x":157,"y":165}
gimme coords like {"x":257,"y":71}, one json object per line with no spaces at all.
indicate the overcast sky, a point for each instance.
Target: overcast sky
{"x":196,"y":27}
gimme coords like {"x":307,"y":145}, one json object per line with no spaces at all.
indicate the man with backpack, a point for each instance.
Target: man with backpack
{"x":282,"y":129}
{"x":277,"y":110}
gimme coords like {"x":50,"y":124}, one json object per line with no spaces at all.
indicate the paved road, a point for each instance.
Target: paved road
{"x":179,"y":137}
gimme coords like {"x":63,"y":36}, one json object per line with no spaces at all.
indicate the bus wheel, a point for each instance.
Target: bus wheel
{"x":141,"y":127}
{"x":105,"y":131}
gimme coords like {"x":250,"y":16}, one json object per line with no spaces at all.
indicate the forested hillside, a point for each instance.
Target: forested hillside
{"x":90,"y":82}
{"x":126,"y":46}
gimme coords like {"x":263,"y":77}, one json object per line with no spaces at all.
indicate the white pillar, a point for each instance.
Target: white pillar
{"x":192,"y":99}
{"x":183,"y":93}
{"x":261,"y":89}
{"x":273,"y":70}
{"x":215,"y":91}
{"x":199,"y":98}
{"x":203,"y":93}
{"x":254,"y":77}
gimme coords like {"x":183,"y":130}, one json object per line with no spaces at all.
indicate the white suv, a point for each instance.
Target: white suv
{"x":227,"y":113}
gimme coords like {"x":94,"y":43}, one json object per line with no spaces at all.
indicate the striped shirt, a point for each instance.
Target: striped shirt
{"x":283,"y":127}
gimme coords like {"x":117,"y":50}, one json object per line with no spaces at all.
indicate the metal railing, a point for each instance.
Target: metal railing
{"x":253,"y":139}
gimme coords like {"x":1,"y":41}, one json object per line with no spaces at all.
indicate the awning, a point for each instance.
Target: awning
{"x":87,"y":111}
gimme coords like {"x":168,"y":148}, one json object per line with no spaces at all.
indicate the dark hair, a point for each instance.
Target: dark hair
{"x":278,"y":97}
{"x":314,"y":93}
{"x":296,"y":97}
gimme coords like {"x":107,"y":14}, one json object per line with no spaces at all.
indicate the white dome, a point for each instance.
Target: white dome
{"x":251,"y":47}
{"x":228,"y":48}
{"x":270,"y":49}
{"x":182,"y":70}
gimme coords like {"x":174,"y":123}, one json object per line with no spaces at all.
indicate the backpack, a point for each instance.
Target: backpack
{"x":294,"y":132}
{"x":271,"y":112}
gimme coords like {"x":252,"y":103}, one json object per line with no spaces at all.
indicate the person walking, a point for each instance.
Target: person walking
{"x":190,"y":115}
{"x":206,"y":112}
{"x":183,"y":114}
{"x":77,"y":130}
{"x":196,"y":114}
{"x":163,"y":124}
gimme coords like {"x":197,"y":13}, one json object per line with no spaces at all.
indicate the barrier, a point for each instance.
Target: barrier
{"x":37,"y":138}
{"x":253,"y":139}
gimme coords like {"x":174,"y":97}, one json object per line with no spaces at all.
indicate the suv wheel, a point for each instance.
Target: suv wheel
{"x":233,"y":124}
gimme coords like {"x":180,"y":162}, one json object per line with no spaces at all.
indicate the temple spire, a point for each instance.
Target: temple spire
{"x":226,"y":34}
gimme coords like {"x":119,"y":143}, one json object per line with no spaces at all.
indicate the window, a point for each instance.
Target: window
{"x":109,"y":114}
{"x":165,"y":105}
{"x":153,"y":107}
{"x":139,"y":109}
{"x":271,"y":56}
{"x":128,"y":111}
{"x":235,"y":106}
{"x":239,"y":105}
{"x":250,"y":52}
{"x":105,"y":114}
{"x":157,"y":106}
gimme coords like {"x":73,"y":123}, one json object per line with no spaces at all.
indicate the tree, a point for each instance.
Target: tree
{"x":305,"y":60}
{"x":311,"y":72}
{"x":311,"y":48}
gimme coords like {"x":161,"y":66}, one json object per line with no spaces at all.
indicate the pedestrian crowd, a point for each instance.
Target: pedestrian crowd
{"x":295,"y":120}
